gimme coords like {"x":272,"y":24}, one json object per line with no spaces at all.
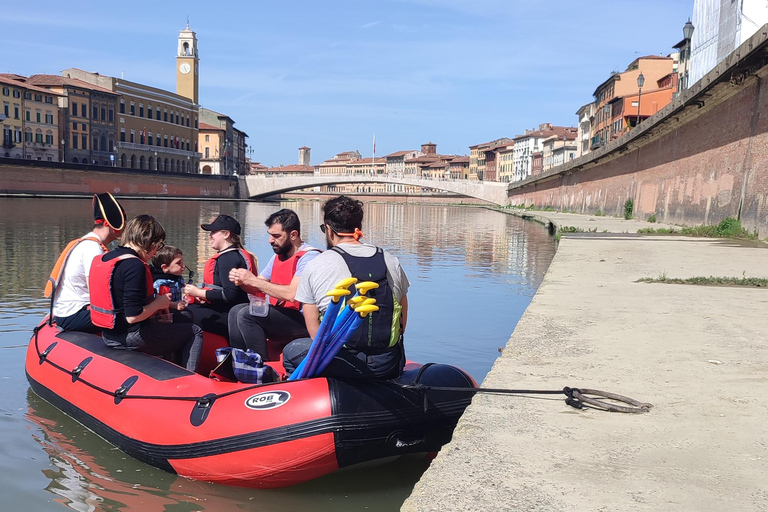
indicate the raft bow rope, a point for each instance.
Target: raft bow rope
{"x":337,"y":326}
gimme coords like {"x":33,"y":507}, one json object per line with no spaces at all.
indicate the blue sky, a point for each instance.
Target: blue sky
{"x":331,"y":74}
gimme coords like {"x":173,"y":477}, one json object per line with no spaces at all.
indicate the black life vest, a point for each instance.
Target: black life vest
{"x":378,"y":333}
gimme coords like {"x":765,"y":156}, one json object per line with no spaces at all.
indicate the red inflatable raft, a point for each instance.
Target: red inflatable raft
{"x":270,"y":435}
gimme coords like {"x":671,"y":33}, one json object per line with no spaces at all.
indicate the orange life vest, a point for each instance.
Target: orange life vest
{"x":53,"y":281}
{"x":283,"y":273}
{"x":209,"y":271}
{"x":103,"y":312}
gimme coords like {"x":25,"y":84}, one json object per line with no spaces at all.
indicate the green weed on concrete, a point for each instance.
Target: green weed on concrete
{"x":728,"y":228}
{"x":753,"y":282}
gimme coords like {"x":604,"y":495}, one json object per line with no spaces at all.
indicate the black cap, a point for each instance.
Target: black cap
{"x":106,"y":209}
{"x":227,"y":222}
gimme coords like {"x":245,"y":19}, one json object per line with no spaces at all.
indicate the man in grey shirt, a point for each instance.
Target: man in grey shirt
{"x":375,"y":350}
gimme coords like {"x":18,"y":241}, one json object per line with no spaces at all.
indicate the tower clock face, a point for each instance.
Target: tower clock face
{"x":185,"y":68}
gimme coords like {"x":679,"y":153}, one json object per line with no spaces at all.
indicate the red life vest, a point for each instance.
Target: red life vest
{"x":210,"y":267}
{"x":283,"y":273}
{"x":103,"y":312}
{"x":53,"y":281}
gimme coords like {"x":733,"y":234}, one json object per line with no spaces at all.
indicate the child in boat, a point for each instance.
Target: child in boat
{"x":167,"y":268}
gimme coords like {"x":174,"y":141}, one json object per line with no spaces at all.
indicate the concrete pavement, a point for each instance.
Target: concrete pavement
{"x":698,"y":353}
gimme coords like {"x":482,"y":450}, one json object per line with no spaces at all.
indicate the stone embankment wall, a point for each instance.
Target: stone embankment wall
{"x":389,"y":198}
{"x":48,"y":178}
{"x":699,"y":160}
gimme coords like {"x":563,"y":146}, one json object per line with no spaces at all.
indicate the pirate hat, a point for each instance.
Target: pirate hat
{"x":106,"y":209}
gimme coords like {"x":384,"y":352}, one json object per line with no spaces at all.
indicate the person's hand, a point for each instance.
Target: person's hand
{"x":194,"y":291}
{"x":181,"y":305}
{"x":242,"y":276}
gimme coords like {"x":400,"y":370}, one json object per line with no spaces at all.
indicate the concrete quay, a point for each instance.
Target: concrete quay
{"x":699,"y":354}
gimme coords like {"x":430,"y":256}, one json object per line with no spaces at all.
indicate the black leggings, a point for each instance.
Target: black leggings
{"x":210,"y":319}
{"x":281,"y":325}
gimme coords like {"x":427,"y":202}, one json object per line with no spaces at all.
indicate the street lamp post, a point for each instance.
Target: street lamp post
{"x":63,"y":150}
{"x":685,"y":59}
{"x":156,"y":166}
{"x":640,"y":82}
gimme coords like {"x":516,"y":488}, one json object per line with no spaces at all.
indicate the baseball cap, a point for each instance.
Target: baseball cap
{"x":223,"y":222}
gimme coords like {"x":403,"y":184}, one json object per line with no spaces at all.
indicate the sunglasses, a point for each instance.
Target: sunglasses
{"x":322,"y":228}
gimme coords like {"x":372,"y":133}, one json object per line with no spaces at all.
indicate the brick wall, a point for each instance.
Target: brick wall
{"x":713,"y":166}
{"x":55,"y":178}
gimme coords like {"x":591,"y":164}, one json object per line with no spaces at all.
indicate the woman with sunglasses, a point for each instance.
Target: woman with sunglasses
{"x":123,"y":302}
{"x":218,"y":292}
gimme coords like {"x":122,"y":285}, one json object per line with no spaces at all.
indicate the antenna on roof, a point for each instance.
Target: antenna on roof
{"x":122,"y":75}
{"x":187,"y":21}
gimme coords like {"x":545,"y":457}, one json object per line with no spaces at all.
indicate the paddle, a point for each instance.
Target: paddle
{"x":335,"y":346}
{"x":329,"y":318}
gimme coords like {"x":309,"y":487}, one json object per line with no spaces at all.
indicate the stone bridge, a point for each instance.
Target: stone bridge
{"x":260,"y":186}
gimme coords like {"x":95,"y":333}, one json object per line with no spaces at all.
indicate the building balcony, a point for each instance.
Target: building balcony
{"x":159,"y":149}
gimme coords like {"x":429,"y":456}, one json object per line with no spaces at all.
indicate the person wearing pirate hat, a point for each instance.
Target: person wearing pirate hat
{"x":68,"y":284}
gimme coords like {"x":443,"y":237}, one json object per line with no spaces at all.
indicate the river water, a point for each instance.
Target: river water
{"x":473,"y":272}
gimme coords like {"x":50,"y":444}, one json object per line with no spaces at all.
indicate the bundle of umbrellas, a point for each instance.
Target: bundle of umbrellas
{"x":337,"y":326}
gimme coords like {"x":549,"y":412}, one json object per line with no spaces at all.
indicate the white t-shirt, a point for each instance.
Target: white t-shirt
{"x":328,"y":268}
{"x":72,"y":292}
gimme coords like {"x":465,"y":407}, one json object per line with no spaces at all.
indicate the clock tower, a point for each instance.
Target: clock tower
{"x":187,"y":66}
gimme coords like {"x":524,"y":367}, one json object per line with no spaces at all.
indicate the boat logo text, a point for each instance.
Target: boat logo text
{"x":267,"y":400}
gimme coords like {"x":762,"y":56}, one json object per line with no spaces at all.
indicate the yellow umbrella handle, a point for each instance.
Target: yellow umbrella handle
{"x":337,"y":293}
{"x":366,"y":286}
{"x":346,"y":283}
{"x":363,"y":311}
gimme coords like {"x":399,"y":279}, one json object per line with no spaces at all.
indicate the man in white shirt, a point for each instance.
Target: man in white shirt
{"x":375,"y":350}
{"x":68,"y":284}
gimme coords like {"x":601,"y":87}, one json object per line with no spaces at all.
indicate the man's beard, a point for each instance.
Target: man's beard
{"x":282,"y":250}
{"x":328,"y":242}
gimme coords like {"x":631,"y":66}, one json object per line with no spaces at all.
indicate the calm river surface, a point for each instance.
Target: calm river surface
{"x":472,"y":272}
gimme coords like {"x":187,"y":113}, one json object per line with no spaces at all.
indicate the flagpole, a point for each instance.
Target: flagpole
{"x":374,"y":156}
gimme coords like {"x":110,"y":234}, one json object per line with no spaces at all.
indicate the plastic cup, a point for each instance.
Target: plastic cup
{"x":259,"y":305}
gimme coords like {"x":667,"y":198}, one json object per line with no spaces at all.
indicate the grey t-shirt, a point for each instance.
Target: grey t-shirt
{"x":328,"y":268}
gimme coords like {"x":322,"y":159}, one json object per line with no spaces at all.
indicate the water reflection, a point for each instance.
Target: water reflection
{"x":88,"y":474}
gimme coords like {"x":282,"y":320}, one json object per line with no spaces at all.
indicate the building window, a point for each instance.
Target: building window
{"x":84,"y":140}
{"x":207,"y":152}
{"x":49,"y":118}
{"x":165,"y":116}
{"x":49,"y":99}
{"x":103,"y":114}
{"x":74,"y":126}
{"x":95,"y":145}
{"x":27,"y":95}
{"x":111,"y":114}
{"x":133,"y":109}
{"x":84,"y":127}
{"x":122,"y":135}
{"x":74,"y":109}
{"x":16,"y":93}
{"x":141,"y":110}
{"x":177,"y":118}
{"x":38,"y":97}
{"x":165,"y":141}
{"x":149,"y":111}
{"x":122,"y":107}
{"x":28,"y":136}
{"x":133,"y":136}
{"x":207,"y":138}
{"x":74,"y":140}
{"x":111,"y":145}
{"x":159,"y":114}
{"x":37,"y":116}
{"x":95,"y":112}
{"x":83,"y":111}
{"x":6,"y":91}
{"x":15,"y":111}
{"x":104,"y":144}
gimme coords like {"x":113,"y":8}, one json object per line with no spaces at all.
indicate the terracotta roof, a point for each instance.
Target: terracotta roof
{"x":399,"y":153}
{"x":304,"y":147}
{"x":24,"y":85}
{"x":490,"y":142}
{"x":423,"y":159}
{"x":367,"y":161}
{"x":292,"y":168}
{"x":460,"y":160}
{"x":556,"y":130}
{"x":56,"y":80}
{"x":206,"y":126}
